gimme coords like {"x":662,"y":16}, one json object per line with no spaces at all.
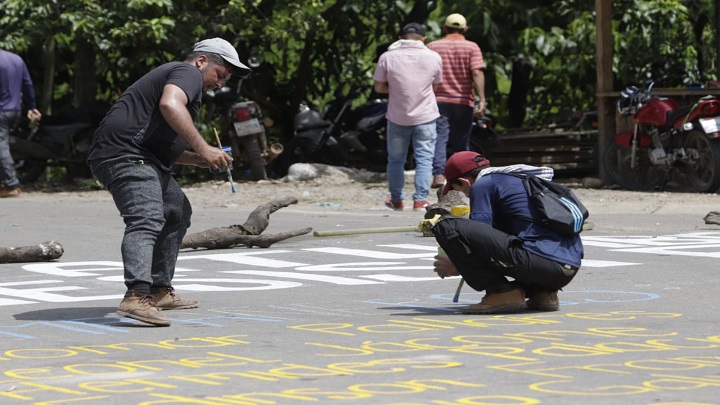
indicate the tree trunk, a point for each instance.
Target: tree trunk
{"x":48,"y":83}
{"x":46,"y":251}
{"x":85,"y":84}
{"x":717,"y":38}
{"x":519,"y":89}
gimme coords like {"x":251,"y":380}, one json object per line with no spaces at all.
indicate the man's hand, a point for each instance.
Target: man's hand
{"x":34,"y":116}
{"x":481,"y":109}
{"x":215,"y":158}
{"x":444,"y":267}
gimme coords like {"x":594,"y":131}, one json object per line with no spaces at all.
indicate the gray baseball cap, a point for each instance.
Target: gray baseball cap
{"x":225,"y":50}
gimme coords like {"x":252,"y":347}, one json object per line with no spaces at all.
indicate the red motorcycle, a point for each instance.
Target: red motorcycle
{"x":666,"y":140}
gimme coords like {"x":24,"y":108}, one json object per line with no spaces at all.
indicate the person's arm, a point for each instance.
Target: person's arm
{"x":28,"y":91}
{"x":381,"y":87}
{"x":191,"y":159}
{"x":172,"y":108}
{"x":478,"y":78}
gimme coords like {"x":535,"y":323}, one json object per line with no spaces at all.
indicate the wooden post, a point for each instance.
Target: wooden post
{"x":603,"y":58}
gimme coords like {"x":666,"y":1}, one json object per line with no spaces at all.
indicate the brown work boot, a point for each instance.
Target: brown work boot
{"x":499,"y":303}
{"x":544,"y":301}
{"x":142,"y":308}
{"x":167,"y":299}
{"x":9,"y":192}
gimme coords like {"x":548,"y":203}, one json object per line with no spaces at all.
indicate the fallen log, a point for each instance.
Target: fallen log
{"x":223,"y":238}
{"x":248,"y":234}
{"x":259,"y":219}
{"x":46,"y":251}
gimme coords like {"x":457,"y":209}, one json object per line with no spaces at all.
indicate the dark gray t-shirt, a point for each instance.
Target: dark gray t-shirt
{"x":134,"y":125}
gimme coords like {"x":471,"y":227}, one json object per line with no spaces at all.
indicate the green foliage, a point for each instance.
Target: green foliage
{"x":563,"y":60}
{"x":309,"y":49}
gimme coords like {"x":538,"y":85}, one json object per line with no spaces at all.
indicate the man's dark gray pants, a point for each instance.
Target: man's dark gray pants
{"x":156,"y":214}
{"x":454,"y":129}
{"x":485,"y":257}
{"x":8,"y":122}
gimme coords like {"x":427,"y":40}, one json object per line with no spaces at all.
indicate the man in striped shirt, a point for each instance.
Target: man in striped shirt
{"x":462,"y":71}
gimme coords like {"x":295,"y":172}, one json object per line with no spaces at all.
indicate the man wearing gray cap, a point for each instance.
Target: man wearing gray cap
{"x":146,"y":131}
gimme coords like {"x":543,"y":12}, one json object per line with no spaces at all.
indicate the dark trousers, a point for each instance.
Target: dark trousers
{"x":485,"y":257}
{"x":454,"y":128}
{"x":8,"y":122}
{"x":156,"y":214}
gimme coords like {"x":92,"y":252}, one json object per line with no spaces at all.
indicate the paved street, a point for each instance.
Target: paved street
{"x":358,"y":319}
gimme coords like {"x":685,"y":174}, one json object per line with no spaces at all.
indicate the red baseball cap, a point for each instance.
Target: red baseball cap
{"x":461,"y":163}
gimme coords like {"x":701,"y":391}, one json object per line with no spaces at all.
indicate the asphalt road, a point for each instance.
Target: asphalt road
{"x":358,"y":319}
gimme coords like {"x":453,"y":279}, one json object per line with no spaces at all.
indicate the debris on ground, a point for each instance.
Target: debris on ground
{"x":317,"y":171}
{"x":43,"y":252}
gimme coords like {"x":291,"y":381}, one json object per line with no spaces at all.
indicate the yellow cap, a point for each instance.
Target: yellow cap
{"x":455,"y":21}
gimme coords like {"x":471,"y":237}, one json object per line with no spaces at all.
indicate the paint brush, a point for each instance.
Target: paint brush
{"x":232,"y":184}
{"x":457,"y":292}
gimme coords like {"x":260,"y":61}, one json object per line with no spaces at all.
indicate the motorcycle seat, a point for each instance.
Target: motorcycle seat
{"x":673,"y":115}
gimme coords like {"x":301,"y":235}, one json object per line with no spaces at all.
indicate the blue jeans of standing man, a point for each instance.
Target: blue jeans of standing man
{"x":399,"y":138}
{"x":8,"y":122}
{"x":156,"y":214}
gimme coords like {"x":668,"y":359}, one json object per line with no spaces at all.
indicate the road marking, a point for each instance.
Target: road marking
{"x":254,"y":270}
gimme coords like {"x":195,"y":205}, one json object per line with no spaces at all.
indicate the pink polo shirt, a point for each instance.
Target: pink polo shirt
{"x":410,"y":69}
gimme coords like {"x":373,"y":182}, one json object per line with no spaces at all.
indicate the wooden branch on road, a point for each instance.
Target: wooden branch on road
{"x":248,"y":234}
{"x":46,"y":251}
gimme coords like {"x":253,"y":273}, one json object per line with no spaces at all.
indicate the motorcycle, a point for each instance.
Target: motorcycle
{"x":666,"y":139}
{"x":246,"y":132}
{"x":60,"y":141}
{"x":484,"y":138}
{"x":339,"y":136}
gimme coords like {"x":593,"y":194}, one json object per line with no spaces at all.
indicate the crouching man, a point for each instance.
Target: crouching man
{"x":498,"y":242}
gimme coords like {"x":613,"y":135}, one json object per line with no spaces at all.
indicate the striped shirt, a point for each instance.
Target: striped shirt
{"x":460,"y":57}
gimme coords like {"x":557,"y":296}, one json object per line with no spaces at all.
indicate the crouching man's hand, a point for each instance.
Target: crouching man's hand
{"x":444,"y":267}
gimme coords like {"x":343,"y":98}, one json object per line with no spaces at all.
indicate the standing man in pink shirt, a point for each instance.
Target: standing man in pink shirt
{"x":409,"y":72}
{"x":463,"y":67}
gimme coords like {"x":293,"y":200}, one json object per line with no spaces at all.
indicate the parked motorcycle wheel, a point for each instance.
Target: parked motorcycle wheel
{"x":28,"y":170}
{"x":645,"y":176}
{"x":253,"y":155}
{"x":702,"y":170}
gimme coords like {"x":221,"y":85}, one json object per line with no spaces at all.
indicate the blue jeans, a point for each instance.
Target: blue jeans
{"x":454,"y":128}
{"x":156,"y":214}
{"x":8,"y":122}
{"x":399,"y":138}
